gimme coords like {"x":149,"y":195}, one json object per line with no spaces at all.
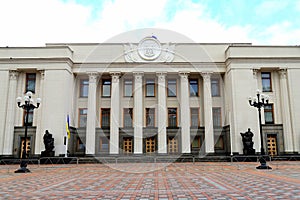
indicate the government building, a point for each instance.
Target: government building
{"x":150,"y":98}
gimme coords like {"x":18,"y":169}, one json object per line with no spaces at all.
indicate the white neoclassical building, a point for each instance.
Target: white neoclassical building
{"x":150,"y":97}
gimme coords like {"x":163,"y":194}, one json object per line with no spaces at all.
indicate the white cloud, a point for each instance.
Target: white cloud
{"x":36,"y":22}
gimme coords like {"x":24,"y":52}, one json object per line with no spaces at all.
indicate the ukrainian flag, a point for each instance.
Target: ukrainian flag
{"x":67,"y":127}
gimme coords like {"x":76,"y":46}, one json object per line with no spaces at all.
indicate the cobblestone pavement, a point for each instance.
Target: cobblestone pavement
{"x":143,"y":181}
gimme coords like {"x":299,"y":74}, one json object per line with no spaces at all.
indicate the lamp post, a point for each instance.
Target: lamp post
{"x":259,"y":103}
{"x":28,"y":105}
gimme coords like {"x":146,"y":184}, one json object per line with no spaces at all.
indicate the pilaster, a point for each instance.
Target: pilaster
{"x":39,"y":129}
{"x":286,"y":119}
{"x":10,"y":113}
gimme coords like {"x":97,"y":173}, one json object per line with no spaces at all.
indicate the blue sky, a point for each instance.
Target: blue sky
{"x":262,"y":22}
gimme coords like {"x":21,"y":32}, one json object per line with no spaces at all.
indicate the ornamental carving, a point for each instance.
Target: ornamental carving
{"x":161,"y":76}
{"x":138,"y":76}
{"x":206,"y":76}
{"x":149,"y":50}
{"x":13,"y":74}
{"x":93,"y":76}
{"x":283,"y":73}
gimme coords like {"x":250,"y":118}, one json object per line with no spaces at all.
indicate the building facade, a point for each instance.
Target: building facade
{"x":150,"y":98}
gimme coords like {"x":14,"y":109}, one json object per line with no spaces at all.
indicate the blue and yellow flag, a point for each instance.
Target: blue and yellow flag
{"x":67,"y":127}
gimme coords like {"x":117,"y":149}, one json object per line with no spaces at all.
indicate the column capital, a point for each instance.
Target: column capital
{"x":13,"y":74}
{"x":184,"y":74}
{"x":138,"y":76}
{"x":255,"y":71}
{"x":115,"y":76}
{"x":206,"y":76}
{"x":42,"y":72}
{"x":93,"y":76}
{"x":161,"y":76}
{"x":283,"y":72}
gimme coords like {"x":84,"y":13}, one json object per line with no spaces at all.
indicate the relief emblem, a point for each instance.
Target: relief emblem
{"x":149,"y":50}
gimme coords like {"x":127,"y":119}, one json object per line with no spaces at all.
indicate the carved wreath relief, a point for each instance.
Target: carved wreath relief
{"x":148,"y":50}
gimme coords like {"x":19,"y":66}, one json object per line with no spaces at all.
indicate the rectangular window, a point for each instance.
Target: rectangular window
{"x":220,"y":143}
{"x":104,"y":144}
{"x":106,"y":84}
{"x":30,"y":82}
{"x":196,"y":142}
{"x":194,"y":117}
{"x":105,"y":117}
{"x":128,"y":88}
{"x":30,"y":117}
{"x":150,"y":88}
{"x":266,"y":82}
{"x":268,"y":110}
{"x":194,"y":88}
{"x":82,"y":117}
{"x":172,"y":117}
{"x":80,"y":146}
{"x":150,"y":117}
{"x":84,"y":88}
{"x":172,"y":88}
{"x":215,"y":87}
{"x":128,"y":117}
{"x":217,"y":117}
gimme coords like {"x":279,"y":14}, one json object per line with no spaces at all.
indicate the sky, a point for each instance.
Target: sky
{"x":260,"y":22}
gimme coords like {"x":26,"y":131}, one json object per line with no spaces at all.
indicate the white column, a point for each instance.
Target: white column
{"x":10,"y":113}
{"x":285,"y":109}
{"x":162,"y":113}
{"x":114,"y":113}
{"x":208,"y":118}
{"x":185,"y":116}
{"x":39,"y":129}
{"x":91,"y":114}
{"x":138,"y":112}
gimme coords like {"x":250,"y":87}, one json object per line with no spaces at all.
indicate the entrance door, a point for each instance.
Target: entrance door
{"x":172,"y":145}
{"x":150,"y":145}
{"x":28,"y":148}
{"x":272,"y":145}
{"x":127,"y":145}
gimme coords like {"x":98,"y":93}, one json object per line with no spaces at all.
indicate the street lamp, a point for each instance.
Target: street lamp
{"x":259,"y":103}
{"x":27,"y":106}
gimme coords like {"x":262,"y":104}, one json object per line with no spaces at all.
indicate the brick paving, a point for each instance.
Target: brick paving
{"x":179,"y":181}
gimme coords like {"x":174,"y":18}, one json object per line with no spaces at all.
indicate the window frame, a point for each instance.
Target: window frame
{"x":217,"y":84}
{"x":176,"y":115}
{"x":79,"y":116}
{"x":124,"y":94}
{"x":148,"y":113}
{"x":197,"y":93}
{"x":169,"y":92}
{"x":198,"y":116}
{"x":266,"y":78}
{"x":27,"y":80}
{"x":103,"y":85}
{"x":269,"y":111}
{"x":30,"y":116}
{"x":128,"y":111}
{"x":219,"y":109}
{"x":101,"y":117}
{"x":82,"y":87}
{"x":150,"y":84}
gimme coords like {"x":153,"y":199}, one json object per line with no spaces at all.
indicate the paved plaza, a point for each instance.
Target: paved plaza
{"x":162,"y":181}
